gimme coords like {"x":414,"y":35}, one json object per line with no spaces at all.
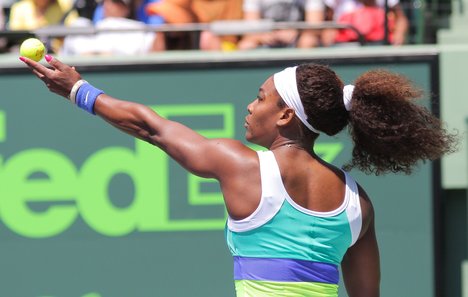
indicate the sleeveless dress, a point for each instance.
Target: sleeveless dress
{"x":283,"y":249}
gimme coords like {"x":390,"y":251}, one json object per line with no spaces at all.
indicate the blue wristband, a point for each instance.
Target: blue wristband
{"x":86,"y":97}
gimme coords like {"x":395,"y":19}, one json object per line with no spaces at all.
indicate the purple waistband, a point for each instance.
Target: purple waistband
{"x":284,"y":270}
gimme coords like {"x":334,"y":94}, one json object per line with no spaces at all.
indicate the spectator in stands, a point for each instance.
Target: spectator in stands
{"x":368,"y":17}
{"x":217,"y":10}
{"x":85,"y":8}
{"x":176,"y":12}
{"x":118,"y":14}
{"x":200,"y":11}
{"x":140,"y":13}
{"x":311,"y":11}
{"x":35,"y":14}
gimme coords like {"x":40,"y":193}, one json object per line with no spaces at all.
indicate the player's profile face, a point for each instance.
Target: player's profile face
{"x":263,"y":113}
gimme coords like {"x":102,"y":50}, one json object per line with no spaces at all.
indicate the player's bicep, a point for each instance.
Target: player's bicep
{"x":199,"y":155}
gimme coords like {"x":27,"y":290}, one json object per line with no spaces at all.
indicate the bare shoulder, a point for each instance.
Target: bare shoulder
{"x":229,"y":142}
{"x":236,"y":148}
{"x":235,"y":156}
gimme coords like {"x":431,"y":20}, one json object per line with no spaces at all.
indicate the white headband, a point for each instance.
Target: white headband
{"x":347,"y":96}
{"x":285,"y":84}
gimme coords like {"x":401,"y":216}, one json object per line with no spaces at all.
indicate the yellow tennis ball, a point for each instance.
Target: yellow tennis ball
{"x":33,"y":49}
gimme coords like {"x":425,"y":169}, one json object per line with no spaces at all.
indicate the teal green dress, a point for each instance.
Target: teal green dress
{"x":283,"y":249}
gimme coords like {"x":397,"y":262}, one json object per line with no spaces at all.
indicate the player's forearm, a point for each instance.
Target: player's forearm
{"x":178,"y":141}
{"x":132,"y":118}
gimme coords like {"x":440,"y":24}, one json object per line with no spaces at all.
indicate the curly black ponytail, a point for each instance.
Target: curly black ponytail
{"x":391,"y":133}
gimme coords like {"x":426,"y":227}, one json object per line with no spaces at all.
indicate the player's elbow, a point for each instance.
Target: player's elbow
{"x":143,"y":122}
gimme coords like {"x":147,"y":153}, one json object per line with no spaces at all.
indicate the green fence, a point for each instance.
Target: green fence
{"x":88,"y":211}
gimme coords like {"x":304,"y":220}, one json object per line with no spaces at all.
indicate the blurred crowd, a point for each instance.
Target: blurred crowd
{"x":121,"y":24}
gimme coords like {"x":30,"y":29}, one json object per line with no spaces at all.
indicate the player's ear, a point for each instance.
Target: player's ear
{"x":287,"y":115}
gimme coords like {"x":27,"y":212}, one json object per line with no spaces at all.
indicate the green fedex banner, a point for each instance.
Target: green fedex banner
{"x":88,"y":211}
{"x":88,"y":186}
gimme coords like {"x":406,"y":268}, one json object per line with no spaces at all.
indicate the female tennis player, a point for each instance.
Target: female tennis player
{"x":293,"y":218}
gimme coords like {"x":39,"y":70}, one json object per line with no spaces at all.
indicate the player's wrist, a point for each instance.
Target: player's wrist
{"x":86,"y":96}
{"x":74,"y":90}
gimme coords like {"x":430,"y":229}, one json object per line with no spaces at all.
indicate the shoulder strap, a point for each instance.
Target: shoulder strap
{"x":353,"y":210}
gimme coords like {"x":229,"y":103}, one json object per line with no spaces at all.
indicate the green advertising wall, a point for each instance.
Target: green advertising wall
{"x":86,"y":211}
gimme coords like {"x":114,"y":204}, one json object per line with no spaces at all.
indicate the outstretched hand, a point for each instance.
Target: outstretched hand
{"x":60,"y":78}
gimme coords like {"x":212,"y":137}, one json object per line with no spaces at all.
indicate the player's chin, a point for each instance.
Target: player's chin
{"x":248,"y":136}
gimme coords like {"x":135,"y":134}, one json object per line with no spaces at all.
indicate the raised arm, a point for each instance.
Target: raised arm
{"x":198,"y":154}
{"x":204,"y":157}
{"x":361,"y":263}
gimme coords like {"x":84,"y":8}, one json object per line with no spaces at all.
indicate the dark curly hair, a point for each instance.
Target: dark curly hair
{"x":391,"y":133}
